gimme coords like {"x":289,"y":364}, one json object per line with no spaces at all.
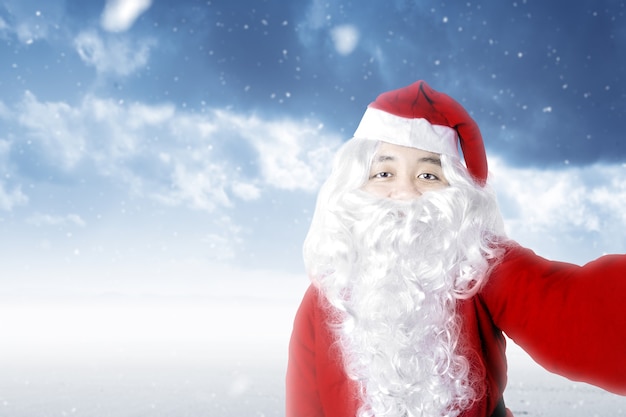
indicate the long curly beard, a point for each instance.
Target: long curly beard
{"x":395,"y":286}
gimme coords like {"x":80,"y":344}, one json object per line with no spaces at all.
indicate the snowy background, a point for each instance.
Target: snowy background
{"x":159,"y":162}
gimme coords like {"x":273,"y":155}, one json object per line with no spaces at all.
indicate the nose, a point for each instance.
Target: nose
{"x":404,"y":189}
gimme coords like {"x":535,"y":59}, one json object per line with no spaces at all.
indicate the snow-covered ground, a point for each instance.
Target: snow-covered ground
{"x":119,"y":357}
{"x":532,"y":391}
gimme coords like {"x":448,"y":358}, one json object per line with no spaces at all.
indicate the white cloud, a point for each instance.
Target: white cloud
{"x":174,"y":157}
{"x":574,"y":213}
{"x":98,"y":129}
{"x":246,"y":191}
{"x":141,"y":115}
{"x":345,"y":38}
{"x":201,"y":187}
{"x":5,"y":112}
{"x":317,"y":14}
{"x":51,"y":220}
{"x":292,"y":155}
{"x":5,"y":145}
{"x":56,"y":125}
{"x":28,"y":32}
{"x":30,"y":22}
{"x":112,"y":55}
{"x":11,"y":198}
{"x":120,"y":15}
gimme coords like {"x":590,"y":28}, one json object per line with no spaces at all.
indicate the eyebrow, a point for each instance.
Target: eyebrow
{"x":428,"y":159}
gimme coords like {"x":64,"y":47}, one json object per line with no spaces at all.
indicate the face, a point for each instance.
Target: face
{"x":403,"y":173}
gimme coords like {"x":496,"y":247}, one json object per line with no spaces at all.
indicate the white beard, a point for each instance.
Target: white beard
{"x":396,"y":290}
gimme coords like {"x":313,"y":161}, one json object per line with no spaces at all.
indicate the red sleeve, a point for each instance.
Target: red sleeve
{"x":302,"y":396}
{"x":570,"y":319}
{"x":317,"y":385}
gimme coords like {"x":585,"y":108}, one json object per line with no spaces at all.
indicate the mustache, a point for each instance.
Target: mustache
{"x":373,"y":218}
{"x":361,"y":205}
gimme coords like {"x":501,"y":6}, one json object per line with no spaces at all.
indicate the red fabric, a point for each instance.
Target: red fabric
{"x":317,"y":386}
{"x":419,"y":100}
{"x":570,"y":319}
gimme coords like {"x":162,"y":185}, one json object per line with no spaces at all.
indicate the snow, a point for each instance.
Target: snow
{"x":226,"y":357}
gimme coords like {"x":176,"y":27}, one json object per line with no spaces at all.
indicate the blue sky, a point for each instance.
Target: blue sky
{"x":144,"y":132}
{"x":174,"y":148}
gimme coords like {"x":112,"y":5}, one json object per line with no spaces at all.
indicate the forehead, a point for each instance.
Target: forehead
{"x":388,"y":150}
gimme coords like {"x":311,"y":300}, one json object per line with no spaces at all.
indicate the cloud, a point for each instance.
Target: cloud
{"x":51,"y":220}
{"x":112,"y":55}
{"x":174,"y":157}
{"x":56,"y":126}
{"x":316,"y":15}
{"x":5,"y":111}
{"x":574,"y":213}
{"x":104,"y":131}
{"x":10,"y":197}
{"x":120,"y":15}
{"x":246,"y":191}
{"x":201,"y":187}
{"x":345,"y":38}
{"x":28,"y":33}
{"x":293,"y":155}
{"x":31,"y":21}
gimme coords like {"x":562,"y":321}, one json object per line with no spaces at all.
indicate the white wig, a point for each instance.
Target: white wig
{"x":392,"y":272}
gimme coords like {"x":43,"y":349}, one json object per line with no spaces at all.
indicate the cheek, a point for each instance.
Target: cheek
{"x":439,"y":186}
{"x":378,"y":190}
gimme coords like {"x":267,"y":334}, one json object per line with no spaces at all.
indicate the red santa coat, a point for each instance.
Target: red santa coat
{"x":570,"y":319}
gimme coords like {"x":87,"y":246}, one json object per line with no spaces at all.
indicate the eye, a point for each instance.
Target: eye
{"x":428,"y":176}
{"x":383,"y":174}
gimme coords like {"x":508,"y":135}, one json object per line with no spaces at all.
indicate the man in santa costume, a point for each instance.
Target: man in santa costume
{"x":414,"y":281}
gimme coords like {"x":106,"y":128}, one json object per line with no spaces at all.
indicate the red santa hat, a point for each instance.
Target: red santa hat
{"x":420,"y":117}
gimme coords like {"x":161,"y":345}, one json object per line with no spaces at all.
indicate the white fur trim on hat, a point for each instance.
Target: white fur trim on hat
{"x":415,"y":133}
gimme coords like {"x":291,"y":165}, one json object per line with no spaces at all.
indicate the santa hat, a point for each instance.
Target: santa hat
{"x":420,"y":117}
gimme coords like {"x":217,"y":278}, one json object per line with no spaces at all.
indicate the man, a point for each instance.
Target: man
{"x":414,"y":280}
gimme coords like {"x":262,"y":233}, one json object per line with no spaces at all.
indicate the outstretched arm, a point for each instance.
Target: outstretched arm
{"x":570,"y":319}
